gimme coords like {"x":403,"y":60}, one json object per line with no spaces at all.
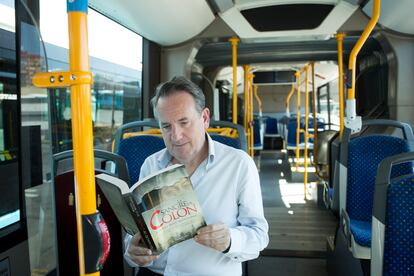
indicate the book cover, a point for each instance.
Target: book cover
{"x":163,"y":206}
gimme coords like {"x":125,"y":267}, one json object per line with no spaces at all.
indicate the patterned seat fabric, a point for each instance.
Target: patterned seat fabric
{"x":136,"y":149}
{"x":229,"y":141}
{"x":361,"y":231}
{"x":291,"y":141}
{"x":271,"y":126}
{"x":399,"y":231}
{"x":364,"y":155}
{"x":256,"y":133}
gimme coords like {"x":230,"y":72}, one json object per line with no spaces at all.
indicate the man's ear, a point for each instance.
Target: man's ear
{"x":205,"y":114}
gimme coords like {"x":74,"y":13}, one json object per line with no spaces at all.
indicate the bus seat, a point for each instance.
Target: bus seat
{"x":331,"y":187}
{"x":271,"y":128}
{"x":393,"y":220}
{"x":136,"y":149}
{"x":239,"y":142}
{"x":257,"y":134}
{"x":66,"y":231}
{"x":291,"y":137}
{"x":230,"y":141}
{"x":322,"y":153}
{"x":361,"y":157}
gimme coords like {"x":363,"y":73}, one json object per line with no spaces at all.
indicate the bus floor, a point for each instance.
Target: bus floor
{"x":298,"y":228}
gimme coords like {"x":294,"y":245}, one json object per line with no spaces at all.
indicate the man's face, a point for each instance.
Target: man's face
{"x":183,"y":128}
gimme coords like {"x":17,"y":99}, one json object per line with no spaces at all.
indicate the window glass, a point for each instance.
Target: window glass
{"x":116,"y":63}
{"x":9,"y":133}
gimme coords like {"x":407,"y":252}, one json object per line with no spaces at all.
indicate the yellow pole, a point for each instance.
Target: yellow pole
{"x":82,"y":133}
{"x":246,"y":99}
{"x":340,"y":38}
{"x":352,"y":58}
{"x":234,"y":41}
{"x":315,"y":122}
{"x":259,"y":102}
{"x":292,"y":91}
{"x":79,"y":78}
{"x":251,"y":76}
{"x":297,"y":119}
{"x":305,"y":177}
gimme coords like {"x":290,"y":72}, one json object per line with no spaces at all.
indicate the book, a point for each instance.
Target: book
{"x":163,"y":206}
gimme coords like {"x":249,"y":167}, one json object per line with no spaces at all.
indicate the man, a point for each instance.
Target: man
{"x":225,"y":180}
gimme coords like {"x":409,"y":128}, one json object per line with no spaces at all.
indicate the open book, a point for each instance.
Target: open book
{"x":163,"y":206}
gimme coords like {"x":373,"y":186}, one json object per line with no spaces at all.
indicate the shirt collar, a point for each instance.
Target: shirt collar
{"x":165,"y":157}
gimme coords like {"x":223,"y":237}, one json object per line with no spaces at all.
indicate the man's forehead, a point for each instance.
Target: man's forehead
{"x":170,"y":120}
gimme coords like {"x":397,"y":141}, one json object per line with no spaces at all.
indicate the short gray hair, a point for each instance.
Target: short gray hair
{"x":179,"y":84}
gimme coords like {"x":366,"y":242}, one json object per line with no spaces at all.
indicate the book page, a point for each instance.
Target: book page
{"x":158,"y":179}
{"x":169,"y":207}
{"x":176,"y":218}
{"x":116,"y":200}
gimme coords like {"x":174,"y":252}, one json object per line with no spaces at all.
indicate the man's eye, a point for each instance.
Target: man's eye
{"x":184,"y":123}
{"x":166,"y":127}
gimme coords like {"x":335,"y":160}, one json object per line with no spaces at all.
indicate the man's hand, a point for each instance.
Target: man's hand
{"x":216,"y":236}
{"x":138,"y":253}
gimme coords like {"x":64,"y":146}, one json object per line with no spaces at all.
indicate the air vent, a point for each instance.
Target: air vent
{"x":274,"y":77}
{"x":287,"y":17}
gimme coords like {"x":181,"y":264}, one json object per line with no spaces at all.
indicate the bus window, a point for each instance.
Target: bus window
{"x":116,"y":91}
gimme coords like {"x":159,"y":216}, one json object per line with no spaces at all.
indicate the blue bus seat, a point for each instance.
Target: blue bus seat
{"x":393,"y":220}
{"x":291,"y":136}
{"x":271,"y":128}
{"x":239,"y":143}
{"x":230,"y":141}
{"x":136,"y":149}
{"x":363,"y":155}
{"x":257,"y":134}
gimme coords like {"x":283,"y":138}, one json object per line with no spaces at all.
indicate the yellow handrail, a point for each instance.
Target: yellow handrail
{"x":259,"y":102}
{"x":246,"y":98}
{"x":352,"y":58}
{"x":297,"y":118}
{"x":79,"y":79}
{"x":340,"y":38}
{"x":82,"y":133}
{"x":251,"y":126}
{"x":315,"y":122}
{"x":234,"y":41}
{"x":292,"y":91}
{"x":305,"y":177}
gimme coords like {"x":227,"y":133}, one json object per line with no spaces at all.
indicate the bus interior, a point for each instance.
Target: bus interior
{"x":321,"y":91}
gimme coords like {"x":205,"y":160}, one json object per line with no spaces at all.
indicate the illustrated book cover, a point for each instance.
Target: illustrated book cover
{"x":163,"y":206}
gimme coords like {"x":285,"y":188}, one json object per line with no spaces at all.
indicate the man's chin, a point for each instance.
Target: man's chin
{"x":182,"y":158}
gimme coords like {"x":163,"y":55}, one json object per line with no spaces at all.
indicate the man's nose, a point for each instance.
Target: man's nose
{"x":176,"y":133}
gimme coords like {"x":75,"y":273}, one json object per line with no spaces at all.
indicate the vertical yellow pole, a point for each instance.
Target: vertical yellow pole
{"x":246,"y":99}
{"x":315,"y":122}
{"x":340,"y":38}
{"x":82,"y":134}
{"x":234,"y":41}
{"x":297,"y":119}
{"x":251,"y":126}
{"x":305,"y":177}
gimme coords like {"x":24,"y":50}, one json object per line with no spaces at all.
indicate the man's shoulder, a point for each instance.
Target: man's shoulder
{"x":152,"y":160}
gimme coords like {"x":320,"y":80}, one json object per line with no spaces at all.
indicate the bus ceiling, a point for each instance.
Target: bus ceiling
{"x":253,"y":21}
{"x":176,"y":21}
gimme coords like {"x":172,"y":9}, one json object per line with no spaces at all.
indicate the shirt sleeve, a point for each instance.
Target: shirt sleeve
{"x":251,"y":235}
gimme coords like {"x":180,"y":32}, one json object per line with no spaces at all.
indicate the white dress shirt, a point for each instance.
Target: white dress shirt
{"x":228,"y":188}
